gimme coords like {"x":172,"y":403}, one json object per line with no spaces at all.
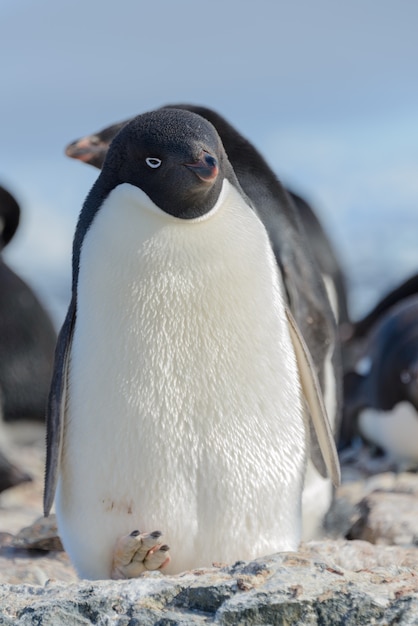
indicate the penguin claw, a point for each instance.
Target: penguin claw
{"x":137,"y":553}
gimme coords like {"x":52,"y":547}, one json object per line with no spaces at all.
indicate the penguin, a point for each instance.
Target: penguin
{"x":382,"y":395}
{"x":181,"y":376}
{"x":356,"y":345}
{"x":27,"y":335}
{"x":290,"y":223}
{"x":27,"y":343}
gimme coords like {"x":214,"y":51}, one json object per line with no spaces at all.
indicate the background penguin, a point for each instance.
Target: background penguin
{"x":382,"y":396}
{"x":177,"y":304}
{"x":27,"y":342}
{"x":27,"y":336}
{"x":355,"y":346}
{"x":301,"y":258}
{"x":326,"y":258}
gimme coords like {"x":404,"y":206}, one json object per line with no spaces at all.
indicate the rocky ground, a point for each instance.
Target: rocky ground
{"x":364,"y":572}
{"x":20,"y":507}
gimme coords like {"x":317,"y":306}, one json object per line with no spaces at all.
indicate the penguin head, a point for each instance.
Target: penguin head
{"x":176,"y":157}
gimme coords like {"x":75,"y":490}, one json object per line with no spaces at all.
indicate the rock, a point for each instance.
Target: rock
{"x":10,"y":474}
{"x":361,"y":555}
{"x":387,"y":518}
{"x":379,"y":509}
{"x":22,"y":504}
{"x":34,"y":567}
{"x":301,"y":588}
{"x":41,"y":535}
{"x":328,"y":582}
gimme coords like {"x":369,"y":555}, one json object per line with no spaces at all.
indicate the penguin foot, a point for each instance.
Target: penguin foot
{"x":137,"y":553}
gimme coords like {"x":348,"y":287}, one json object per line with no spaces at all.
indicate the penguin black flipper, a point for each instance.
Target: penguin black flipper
{"x":314,"y":399}
{"x":56,"y":408}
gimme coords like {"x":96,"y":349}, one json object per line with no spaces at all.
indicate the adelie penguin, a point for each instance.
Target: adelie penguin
{"x":359,"y":330}
{"x":382,"y":391}
{"x":27,"y":343}
{"x":359,"y":351}
{"x":177,"y":397}
{"x":308,"y":265}
{"x":27,"y":335}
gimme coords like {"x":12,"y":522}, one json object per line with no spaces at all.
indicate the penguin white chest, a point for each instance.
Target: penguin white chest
{"x":184,"y":411}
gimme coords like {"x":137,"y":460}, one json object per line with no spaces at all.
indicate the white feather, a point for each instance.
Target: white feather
{"x":184,"y":407}
{"x":395,"y":431}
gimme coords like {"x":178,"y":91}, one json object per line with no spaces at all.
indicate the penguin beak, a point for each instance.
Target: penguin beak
{"x":88,"y":150}
{"x":206,"y":168}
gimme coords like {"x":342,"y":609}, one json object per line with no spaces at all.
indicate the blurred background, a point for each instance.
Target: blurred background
{"x":327,"y":91}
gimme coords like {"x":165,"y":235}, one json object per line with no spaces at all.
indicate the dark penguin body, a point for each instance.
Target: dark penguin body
{"x":165,"y":408}
{"x":27,"y":343}
{"x":382,"y":398}
{"x":324,"y":254}
{"x":27,"y":336}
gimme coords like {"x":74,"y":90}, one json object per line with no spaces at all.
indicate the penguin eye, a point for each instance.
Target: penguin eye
{"x":153,"y":162}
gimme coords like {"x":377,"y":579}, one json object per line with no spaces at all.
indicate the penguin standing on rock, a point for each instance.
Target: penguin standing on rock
{"x":177,"y":400}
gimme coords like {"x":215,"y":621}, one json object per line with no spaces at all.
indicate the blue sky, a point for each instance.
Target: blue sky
{"x":327,"y":90}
